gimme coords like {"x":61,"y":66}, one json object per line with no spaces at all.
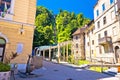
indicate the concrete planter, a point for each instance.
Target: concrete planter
{"x":5,"y":75}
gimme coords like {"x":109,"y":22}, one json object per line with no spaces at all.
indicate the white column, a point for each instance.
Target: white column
{"x":43,"y":54}
{"x":12,"y":6}
{"x":50,"y":53}
{"x":58,"y":53}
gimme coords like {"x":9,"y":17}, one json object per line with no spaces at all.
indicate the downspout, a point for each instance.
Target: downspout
{"x":90,"y":47}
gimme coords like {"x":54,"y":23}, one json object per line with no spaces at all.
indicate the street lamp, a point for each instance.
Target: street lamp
{"x":21,"y":30}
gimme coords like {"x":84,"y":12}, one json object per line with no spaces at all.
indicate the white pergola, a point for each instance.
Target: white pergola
{"x":63,"y":45}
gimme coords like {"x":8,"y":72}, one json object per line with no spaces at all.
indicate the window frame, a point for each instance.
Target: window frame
{"x":77,"y":45}
{"x":8,"y":4}
{"x":92,"y":42}
{"x":111,"y":1}
{"x":88,"y":44}
{"x":104,"y":20}
{"x":103,"y":7}
{"x":98,"y":24}
{"x":105,"y":33}
{"x":97,"y":12}
{"x":114,"y":31}
{"x":99,"y":36}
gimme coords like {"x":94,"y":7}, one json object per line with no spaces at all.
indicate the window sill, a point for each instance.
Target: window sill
{"x":7,"y":16}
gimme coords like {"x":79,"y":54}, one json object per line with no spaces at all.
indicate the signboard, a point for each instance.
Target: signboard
{"x":19,"y":48}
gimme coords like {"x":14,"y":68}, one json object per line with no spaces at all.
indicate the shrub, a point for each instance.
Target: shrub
{"x":98,"y":69}
{"x":82,"y":62}
{"x":4,"y":67}
{"x":71,"y":59}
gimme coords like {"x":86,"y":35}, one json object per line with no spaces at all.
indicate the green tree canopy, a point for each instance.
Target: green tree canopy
{"x":62,"y":25}
{"x":44,"y":27}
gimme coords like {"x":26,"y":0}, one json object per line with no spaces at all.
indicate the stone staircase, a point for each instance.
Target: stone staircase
{"x":112,"y":71}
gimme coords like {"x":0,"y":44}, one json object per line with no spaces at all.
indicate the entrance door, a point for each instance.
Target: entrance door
{"x":117,"y":54}
{"x":2,"y":49}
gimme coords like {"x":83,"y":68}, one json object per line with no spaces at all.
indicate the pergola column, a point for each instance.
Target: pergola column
{"x":43,"y":54}
{"x":58,"y":53}
{"x":50,"y":53}
{"x":64,"y":52}
{"x":67,"y":52}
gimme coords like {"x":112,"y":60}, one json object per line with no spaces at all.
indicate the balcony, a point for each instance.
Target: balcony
{"x":6,"y":15}
{"x":104,"y":40}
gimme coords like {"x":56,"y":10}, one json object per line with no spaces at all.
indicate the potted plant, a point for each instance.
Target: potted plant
{"x":4,"y":71}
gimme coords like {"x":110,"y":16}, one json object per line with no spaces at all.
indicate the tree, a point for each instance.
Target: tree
{"x":50,"y":27}
{"x":67,"y":23}
{"x":44,"y":27}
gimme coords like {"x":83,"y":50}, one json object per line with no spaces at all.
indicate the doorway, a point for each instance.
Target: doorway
{"x":117,"y":54}
{"x":2,"y":48}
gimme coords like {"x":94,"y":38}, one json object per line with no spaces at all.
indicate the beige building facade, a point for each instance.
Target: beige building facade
{"x":16,"y":29}
{"x":107,"y":30}
{"x":90,"y":49}
{"x":79,"y":43}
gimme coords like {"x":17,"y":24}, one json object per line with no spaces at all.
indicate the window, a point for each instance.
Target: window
{"x":103,"y":7}
{"x":104,"y":20}
{"x":88,"y":33}
{"x":92,"y":51}
{"x":100,"y":49}
{"x":113,"y":15}
{"x":4,"y":6}
{"x":111,"y":1}
{"x":92,"y":42}
{"x":99,"y":36}
{"x":98,"y":24}
{"x":92,"y":31}
{"x":76,"y":45}
{"x":105,"y":33}
{"x":97,"y":12}
{"x":76,"y":51}
{"x":114,"y":31}
{"x":76,"y":37}
{"x":88,"y":43}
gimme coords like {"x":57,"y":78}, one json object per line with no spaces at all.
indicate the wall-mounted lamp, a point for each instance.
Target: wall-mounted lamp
{"x":21,"y":30}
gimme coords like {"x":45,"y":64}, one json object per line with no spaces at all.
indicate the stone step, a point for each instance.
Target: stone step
{"x":110,"y":73}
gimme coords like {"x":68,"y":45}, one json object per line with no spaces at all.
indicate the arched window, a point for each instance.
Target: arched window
{"x":2,"y":41}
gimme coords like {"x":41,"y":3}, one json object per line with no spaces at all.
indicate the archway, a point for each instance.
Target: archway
{"x":117,"y":54}
{"x":2,"y":48}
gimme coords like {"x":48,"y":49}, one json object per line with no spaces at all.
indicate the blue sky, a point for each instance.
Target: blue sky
{"x":77,"y":6}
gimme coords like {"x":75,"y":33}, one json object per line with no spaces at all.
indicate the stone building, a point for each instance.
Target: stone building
{"x":16,"y":29}
{"x":79,"y":43}
{"x":90,"y":50}
{"x":107,"y":30}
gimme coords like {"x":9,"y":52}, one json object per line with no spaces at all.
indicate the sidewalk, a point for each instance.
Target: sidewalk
{"x":52,"y":71}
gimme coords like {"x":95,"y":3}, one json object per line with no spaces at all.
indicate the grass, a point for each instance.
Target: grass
{"x":82,"y":62}
{"x":98,"y":69}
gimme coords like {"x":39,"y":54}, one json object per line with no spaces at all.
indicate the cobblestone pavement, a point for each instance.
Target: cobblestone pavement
{"x":52,"y":71}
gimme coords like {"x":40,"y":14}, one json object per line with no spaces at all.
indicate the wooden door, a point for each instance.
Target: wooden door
{"x":2,"y":49}
{"x":117,"y":54}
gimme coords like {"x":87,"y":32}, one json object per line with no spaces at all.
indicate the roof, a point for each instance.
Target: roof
{"x":46,"y":47}
{"x":89,"y":25}
{"x":79,"y":31}
{"x":96,"y":3}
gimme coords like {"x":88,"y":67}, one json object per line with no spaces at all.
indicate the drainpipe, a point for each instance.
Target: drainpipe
{"x":90,"y":47}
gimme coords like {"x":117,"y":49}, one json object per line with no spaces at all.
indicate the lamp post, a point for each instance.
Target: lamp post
{"x":21,"y":30}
